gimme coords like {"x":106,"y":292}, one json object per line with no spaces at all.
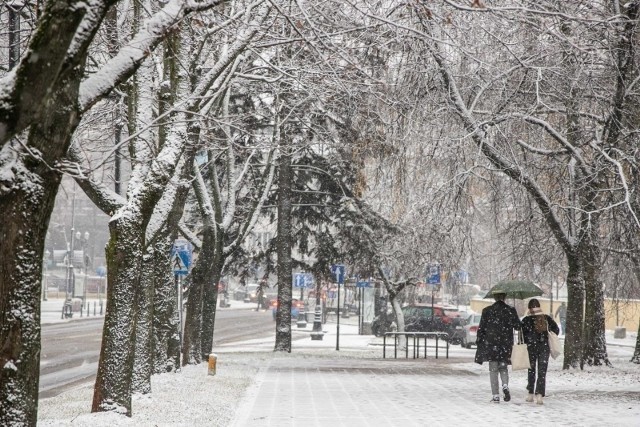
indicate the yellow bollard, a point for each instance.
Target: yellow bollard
{"x":213,"y":359}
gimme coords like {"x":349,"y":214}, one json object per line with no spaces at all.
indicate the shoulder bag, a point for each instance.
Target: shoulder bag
{"x":554,"y":344}
{"x":520,"y":354}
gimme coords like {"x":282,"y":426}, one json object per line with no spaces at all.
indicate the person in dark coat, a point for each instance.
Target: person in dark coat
{"x":495,"y":341}
{"x":538,"y":347}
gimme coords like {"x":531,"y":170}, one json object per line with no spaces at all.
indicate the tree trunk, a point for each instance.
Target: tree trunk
{"x":636,"y":353}
{"x":284,"y":266}
{"x":166,"y":347}
{"x":201,"y":272}
{"x":143,"y":354}
{"x":112,"y":390}
{"x":397,"y":311}
{"x":575,"y":314}
{"x":210,"y":297}
{"x":22,"y":244}
{"x":594,"y":351}
{"x":25,"y":207}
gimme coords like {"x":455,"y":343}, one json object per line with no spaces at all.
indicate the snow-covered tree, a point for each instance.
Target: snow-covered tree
{"x":42,"y":100}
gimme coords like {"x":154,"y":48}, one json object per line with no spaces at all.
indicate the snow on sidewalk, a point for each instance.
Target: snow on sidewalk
{"x":316,"y":385}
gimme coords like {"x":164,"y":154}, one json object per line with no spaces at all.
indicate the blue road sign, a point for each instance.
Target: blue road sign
{"x":308,"y":280}
{"x":302,"y":280}
{"x":363,"y":284}
{"x":433,"y":274}
{"x":101,"y":271}
{"x":181,"y":256}
{"x":339,"y":271}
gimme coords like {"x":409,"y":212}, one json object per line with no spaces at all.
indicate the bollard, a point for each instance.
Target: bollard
{"x":94,"y":308}
{"x":213,"y":360}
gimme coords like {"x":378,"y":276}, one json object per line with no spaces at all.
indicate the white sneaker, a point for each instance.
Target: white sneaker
{"x":529,"y":398}
{"x":539,"y":399}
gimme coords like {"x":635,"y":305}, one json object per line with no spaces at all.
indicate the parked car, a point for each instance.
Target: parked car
{"x":458,"y":317}
{"x":251,"y":293}
{"x":239,"y":293}
{"x":470,"y":330}
{"x":432,"y":318}
{"x":297,"y":306}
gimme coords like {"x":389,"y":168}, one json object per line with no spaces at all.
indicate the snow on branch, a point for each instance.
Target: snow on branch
{"x":479,"y":135}
{"x":124,"y":64}
{"x":557,"y":136}
{"x":623,"y":179}
{"x":190,"y":235}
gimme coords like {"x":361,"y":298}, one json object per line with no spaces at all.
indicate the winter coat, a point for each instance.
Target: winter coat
{"x":538,"y":342}
{"x":495,"y":333}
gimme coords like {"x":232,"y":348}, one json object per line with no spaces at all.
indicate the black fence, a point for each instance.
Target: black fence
{"x":418,"y":343}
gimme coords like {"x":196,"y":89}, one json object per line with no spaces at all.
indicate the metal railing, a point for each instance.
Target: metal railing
{"x":416,"y":337}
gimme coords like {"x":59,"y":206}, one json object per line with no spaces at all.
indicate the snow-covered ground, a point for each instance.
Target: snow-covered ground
{"x":457,"y":388}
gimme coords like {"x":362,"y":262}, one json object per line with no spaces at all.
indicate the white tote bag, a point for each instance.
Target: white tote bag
{"x":554,"y":344}
{"x":520,"y":355}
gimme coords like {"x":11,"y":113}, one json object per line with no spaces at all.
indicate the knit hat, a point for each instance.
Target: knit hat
{"x":535,"y":311}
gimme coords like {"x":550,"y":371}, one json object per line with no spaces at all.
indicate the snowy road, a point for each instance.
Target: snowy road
{"x":70,"y":350}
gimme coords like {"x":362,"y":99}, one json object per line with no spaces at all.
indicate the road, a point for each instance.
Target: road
{"x":70,"y":351}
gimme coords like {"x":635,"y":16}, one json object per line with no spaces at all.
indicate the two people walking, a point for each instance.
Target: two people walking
{"x":495,"y":342}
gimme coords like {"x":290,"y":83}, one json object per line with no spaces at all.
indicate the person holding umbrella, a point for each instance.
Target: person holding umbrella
{"x":495,"y":341}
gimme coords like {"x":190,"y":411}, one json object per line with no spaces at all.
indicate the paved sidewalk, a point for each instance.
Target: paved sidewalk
{"x":310,"y":387}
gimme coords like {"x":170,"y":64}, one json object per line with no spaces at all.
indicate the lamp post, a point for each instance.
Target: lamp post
{"x":84,"y":239}
{"x":44,"y":276}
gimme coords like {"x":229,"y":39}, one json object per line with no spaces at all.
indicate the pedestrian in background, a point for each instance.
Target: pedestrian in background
{"x":260,"y":296}
{"x":561,"y":313}
{"x":535,"y":327}
{"x":495,"y":341}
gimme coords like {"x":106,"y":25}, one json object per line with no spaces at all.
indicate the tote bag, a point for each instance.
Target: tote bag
{"x":554,"y":344}
{"x":520,"y":355}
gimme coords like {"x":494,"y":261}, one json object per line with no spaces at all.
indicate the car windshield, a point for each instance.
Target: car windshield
{"x":417,"y":311}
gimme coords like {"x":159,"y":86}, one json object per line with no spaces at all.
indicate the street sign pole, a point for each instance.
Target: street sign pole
{"x":181,"y":258}
{"x":433,"y":279}
{"x":338,"y":320}
{"x":178,"y":279}
{"x":339,"y":272}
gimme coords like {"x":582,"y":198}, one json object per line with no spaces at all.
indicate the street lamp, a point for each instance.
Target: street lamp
{"x":45,"y":262}
{"x":84,"y":239}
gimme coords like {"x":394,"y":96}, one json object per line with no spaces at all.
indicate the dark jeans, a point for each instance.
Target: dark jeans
{"x":537,"y":375}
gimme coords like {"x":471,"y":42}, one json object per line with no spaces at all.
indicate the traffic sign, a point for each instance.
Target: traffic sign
{"x":101,"y":271}
{"x":433,"y":274}
{"x":181,"y":257}
{"x":339,"y":271}
{"x":363,"y":285}
{"x":302,"y":280}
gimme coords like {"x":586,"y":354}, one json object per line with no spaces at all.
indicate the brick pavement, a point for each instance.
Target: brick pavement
{"x":360,"y":392}
{"x":320,"y":390}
